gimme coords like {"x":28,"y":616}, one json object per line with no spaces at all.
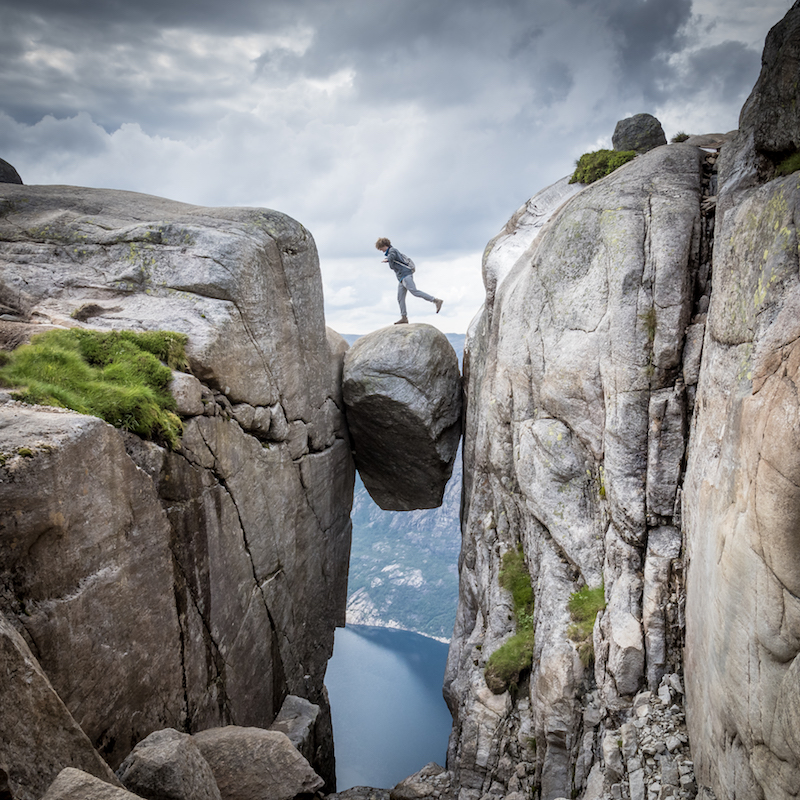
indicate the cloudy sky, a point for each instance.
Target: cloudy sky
{"x":427,"y":121}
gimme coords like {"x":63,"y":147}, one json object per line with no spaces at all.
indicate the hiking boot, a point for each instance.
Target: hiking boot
{"x":438,"y":304}
{"x":402,"y":321}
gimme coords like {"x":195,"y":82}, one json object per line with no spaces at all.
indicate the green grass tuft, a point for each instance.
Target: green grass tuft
{"x":679,"y":137}
{"x":590,"y":167}
{"x":584,"y":606}
{"x":117,"y":376}
{"x":788,"y":165}
{"x":513,"y":659}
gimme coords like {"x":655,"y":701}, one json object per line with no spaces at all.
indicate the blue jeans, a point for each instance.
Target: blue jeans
{"x":407,"y":285}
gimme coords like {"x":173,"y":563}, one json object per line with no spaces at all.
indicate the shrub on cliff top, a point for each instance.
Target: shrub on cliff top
{"x":584,"y":605}
{"x":513,"y":659}
{"x":115,"y":375}
{"x":590,"y":167}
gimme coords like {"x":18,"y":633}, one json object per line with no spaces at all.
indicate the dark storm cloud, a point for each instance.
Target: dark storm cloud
{"x":728,"y":68}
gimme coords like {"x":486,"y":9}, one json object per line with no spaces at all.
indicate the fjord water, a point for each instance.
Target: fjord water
{"x":389,"y":717}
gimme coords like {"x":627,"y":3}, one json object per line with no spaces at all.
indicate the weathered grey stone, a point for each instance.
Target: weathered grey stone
{"x":519,"y":234}
{"x":361,"y":793}
{"x":38,"y":735}
{"x":74,"y":784}
{"x":663,"y":545}
{"x":245,"y":415}
{"x":612,"y":757}
{"x":586,"y":327}
{"x":297,"y":719}
{"x":665,"y":448}
{"x":85,"y":549}
{"x":243,"y":283}
{"x":692,"y":352}
{"x":168,"y":766}
{"x":741,"y":502}
{"x":338,"y":346}
{"x":402,"y":392}
{"x":641,"y":132}
{"x":8,"y":174}
{"x":188,"y":394}
{"x":196,"y":587}
{"x":249,"y":763}
{"x":771,"y":114}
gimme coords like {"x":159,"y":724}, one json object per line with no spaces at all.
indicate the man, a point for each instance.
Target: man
{"x":405,"y":276}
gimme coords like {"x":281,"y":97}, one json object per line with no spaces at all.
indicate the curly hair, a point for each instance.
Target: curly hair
{"x":382,"y":243}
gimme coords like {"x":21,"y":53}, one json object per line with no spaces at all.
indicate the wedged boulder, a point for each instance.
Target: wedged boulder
{"x":168,"y":766}
{"x":38,"y":735}
{"x":641,"y":132}
{"x":254,"y":764}
{"x":402,"y":394}
{"x":74,"y":784}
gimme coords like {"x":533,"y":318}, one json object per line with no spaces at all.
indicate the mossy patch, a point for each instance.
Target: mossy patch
{"x":590,"y":167}
{"x":513,"y":659}
{"x":788,"y":165}
{"x":584,"y":606}
{"x":115,"y":375}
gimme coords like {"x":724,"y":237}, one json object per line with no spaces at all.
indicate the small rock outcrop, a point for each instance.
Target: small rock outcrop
{"x":168,"y":765}
{"x":8,"y":174}
{"x":186,"y":588}
{"x":641,"y":132}
{"x":402,"y":394}
{"x":249,"y":763}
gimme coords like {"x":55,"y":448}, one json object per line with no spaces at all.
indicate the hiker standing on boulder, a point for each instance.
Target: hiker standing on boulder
{"x":404,"y":269}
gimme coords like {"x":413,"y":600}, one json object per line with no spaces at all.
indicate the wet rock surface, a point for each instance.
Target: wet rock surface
{"x":402,"y":393}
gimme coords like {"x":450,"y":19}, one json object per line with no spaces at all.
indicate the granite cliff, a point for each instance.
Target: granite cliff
{"x":145,"y":587}
{"x":631,"y":423}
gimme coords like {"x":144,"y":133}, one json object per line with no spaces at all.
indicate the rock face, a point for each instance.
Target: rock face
{"x":641,"y":132}
{"x":402,"y":392}
{"x":189,"y":588}
{"x":8,"y":174}
{"x":33,"y":713}
{"x":627,"y":425}
{"x":741,"y":501}
{"x":576,"y":407}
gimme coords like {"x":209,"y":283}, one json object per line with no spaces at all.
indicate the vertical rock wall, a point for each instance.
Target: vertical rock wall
{"x":185,"y":588}
{"x":742,"y":501}
{"x":575,"y":433}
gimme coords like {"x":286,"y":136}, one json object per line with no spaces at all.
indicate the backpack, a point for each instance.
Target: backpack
{"x":407,"y":261}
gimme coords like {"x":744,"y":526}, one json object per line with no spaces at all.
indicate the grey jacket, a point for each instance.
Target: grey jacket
{"x":401,"y":269}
